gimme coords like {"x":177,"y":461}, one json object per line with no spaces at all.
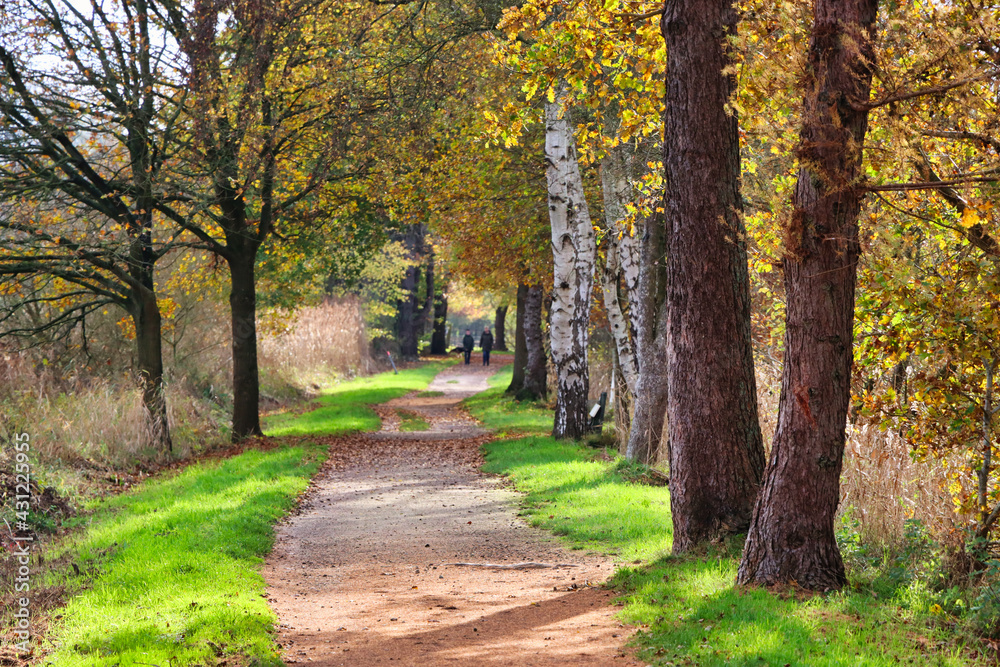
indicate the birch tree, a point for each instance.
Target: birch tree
{"x":620,"y":273}
{"x":573,"y":253}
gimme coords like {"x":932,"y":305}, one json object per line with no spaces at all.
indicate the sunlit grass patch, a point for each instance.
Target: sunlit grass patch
{"x":411,"y":421}
{"x":344,"y":408}
{"x":178,"y":563}
{"x":506,"y":416}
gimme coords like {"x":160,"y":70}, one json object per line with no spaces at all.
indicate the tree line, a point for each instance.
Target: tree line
{"x":812,"y":180}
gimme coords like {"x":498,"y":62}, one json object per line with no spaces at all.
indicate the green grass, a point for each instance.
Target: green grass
{"x":411,"y":421}
{"x":430,"y":394}
{"x":507,"y":416}
{"x":171,"y":570}
{"x":687,"y":608}
{"x":344,"y":408}
{"x":178,"y":564}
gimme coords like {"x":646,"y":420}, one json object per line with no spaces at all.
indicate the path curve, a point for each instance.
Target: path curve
{"x":364,"y":574}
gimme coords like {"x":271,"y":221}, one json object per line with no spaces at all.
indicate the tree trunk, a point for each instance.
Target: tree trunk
{"x":650,"y":404}
{"x":411,"y":315}
{"x":986,"y":517}
{"x":791,"y":538}
{"x":426,"y":312}
{"x":500,"y":329}
{"x":717,"y":455}
{"x":143,"y":303}
{"x":149,"y":360}
{"x":408,"y":306}
{"x":620,"y":274}
{"x":573,"y":253}
{"x":439,"y":339}
{"x":520,"y":346}
{"x":536,"y":383}
{"x":246,"y":385}
{"x":405,"y":310}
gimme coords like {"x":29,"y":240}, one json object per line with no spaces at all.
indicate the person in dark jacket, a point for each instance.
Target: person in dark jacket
{"x":468,"y":344}
{"x":486,"y":342}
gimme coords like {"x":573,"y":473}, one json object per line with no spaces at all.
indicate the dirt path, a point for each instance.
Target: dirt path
{"x":365,"y":574}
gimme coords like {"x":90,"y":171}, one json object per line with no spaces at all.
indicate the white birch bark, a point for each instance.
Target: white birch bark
{"x":620,"y":274}
{"x":573,"y":253}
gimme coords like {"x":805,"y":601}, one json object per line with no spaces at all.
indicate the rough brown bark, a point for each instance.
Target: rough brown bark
{"x":520,"y":346}
{"x":535,"y":369}
{"x":149,"y":362}
{"x":717,"y":456}
{"x":500,"y":329}
{"x":791,"y":537}
{"x":650,"y":403}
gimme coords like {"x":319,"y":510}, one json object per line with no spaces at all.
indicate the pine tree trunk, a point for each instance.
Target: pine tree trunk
{"x":792,"y":537}
{"x":536,"y":384}
{"x":246,"y":384}
{"x":500,"y":329}
{"x":520,"y":346}
{"x":650,"y":405}
{"x":717,"y":454}
{"x":573,"y":251}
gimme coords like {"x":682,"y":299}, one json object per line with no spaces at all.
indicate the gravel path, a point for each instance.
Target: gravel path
{"x":366,"y":574}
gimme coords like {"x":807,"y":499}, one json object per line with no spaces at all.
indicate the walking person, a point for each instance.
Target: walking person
{"x":468,"y":344}
{"x":486,"y":342}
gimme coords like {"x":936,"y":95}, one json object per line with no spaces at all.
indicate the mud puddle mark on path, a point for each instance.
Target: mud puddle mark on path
{"x":374,"y":570}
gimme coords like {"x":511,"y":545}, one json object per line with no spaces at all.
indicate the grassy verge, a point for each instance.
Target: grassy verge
{"x":688,"y":610}
{"x":344,"y":408}
{"x":169,"y":574}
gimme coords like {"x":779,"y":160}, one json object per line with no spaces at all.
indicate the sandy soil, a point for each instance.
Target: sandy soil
{"x":367,"y":572}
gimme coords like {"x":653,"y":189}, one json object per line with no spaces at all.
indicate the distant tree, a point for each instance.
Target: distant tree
{"x":413,"y":310}
{"x":439,"y":338}
{"x":500,"y":328}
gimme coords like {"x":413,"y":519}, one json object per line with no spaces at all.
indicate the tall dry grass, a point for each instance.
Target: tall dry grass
{"x":96,"y":418}
{"x":314,"y":345}
{"x":93,"y":421}
{"x":882,"y":486}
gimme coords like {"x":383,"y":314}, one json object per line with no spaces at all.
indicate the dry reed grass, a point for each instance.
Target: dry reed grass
{"x":881,"y":486}
{"x":95,"y":422}
{"x":99,"y":421}
{"x":316,"y":343}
